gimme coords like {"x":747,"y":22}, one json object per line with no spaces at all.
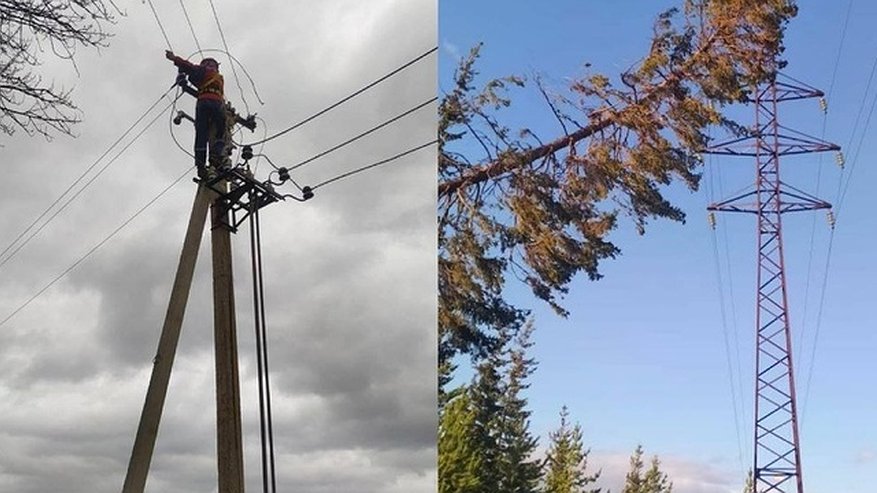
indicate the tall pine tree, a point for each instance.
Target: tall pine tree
{"x":567,"y":460}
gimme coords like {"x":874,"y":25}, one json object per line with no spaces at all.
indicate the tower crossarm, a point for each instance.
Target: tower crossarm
{"x":791,"y":199}
{"x":789,"y":143}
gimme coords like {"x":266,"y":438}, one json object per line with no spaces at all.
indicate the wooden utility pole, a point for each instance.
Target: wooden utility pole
{"x":147,"y":430}
{"x":229,"y":441}
{"x":213,"y":194}
{"x":229,"y":447}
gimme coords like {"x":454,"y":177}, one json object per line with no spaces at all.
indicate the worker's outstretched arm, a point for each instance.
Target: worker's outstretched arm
{"x":180,"y":62}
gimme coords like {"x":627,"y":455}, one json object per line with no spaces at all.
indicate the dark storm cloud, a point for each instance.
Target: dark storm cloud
{"x":350,"y":275}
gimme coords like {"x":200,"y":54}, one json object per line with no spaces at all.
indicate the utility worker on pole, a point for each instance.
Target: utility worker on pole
{"x":210,"y":127}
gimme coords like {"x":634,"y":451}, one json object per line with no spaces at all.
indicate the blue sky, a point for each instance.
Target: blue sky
{"x":643,"y":358}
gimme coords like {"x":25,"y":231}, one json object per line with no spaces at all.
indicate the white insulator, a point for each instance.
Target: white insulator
{"x":823,"y":104}
{"x":839,"y":158}
{"x":711,"y":218}
{"x":831,"y":221}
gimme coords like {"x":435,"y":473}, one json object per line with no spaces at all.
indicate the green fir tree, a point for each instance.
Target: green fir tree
{"x":518,"y":471}
{"x":485,"y":444}
{"x":652,"y":480}
{"x":459,"y":457}
{"x":567,"y":460}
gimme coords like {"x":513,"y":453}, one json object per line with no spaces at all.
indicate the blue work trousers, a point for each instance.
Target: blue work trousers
{"x":209,"y":131}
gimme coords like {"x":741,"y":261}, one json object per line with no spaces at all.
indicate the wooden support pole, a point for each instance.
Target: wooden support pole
{"x":229,"y":446}
{"x":147,"y":430}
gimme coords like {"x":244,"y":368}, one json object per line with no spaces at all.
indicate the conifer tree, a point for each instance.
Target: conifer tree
{"x":519,"y":471}
{"x":650,"y":481}
{"x":459,"y":457}
{"x":541,"y":208}
{"x":491,"y":416}
{"x":486,"y":401}
{"x":749,"y":486}
{"x":567,"y":460}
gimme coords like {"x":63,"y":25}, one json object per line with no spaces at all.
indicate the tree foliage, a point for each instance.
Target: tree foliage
{"x":511,"y":204}
{"x":28,"y":30}
{"x":651,"y":480}
{"x":485,"y":444}
{"x":459,"y":457}
{"x":749,"y":485}
{"x":567,"y":460}
{"x":519,"y":471}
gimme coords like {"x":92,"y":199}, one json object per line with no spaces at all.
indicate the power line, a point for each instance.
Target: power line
{"x":373,"y":129}
{"x":714,"y":175}
{"x":348,"y":98}
{"x":79,"y":192}
{"x":819,"y":180}
{"x":374,"y":165}
{"x":161,"y":27}
{"x":94,"y":248}
{"x":75,"y":182}
{"x":726,"y":339}
{"x":225,"y":44}
{"x":191,"y":28}
{"x":812,"y":362}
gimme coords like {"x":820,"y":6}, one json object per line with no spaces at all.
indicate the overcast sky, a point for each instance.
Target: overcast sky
{"x":661,"y":351}
{"x":349,"y":276}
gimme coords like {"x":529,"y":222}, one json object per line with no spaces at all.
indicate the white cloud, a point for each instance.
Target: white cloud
{"x":689,"y":475}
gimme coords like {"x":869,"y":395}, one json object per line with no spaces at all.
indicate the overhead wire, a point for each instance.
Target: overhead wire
{"x":266,"y":426}
{"x":727,"y":342}
{"x":191,"y":28}
{"x":367,"y":132}
{"x":714,"y":174}
{"x":262,"y":145}
{"x":170,"y":123}
{"x":225,"y":44}
{"x":349,"y":97}
{"x":374,"y":165}
{"x":96,"y":247}
{"x":842,"y":191}
{"x":160,"y":26}
{"x":11,"y":250}
{"x":824,"y":286}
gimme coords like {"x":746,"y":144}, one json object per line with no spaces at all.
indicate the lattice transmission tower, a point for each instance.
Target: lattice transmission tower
{"x":777,"y":454}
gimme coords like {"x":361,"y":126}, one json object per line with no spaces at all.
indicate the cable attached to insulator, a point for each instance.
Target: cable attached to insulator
{"x":266,"y":426}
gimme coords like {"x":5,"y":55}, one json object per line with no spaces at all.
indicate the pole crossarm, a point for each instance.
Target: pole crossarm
{"x":239,"y":194}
